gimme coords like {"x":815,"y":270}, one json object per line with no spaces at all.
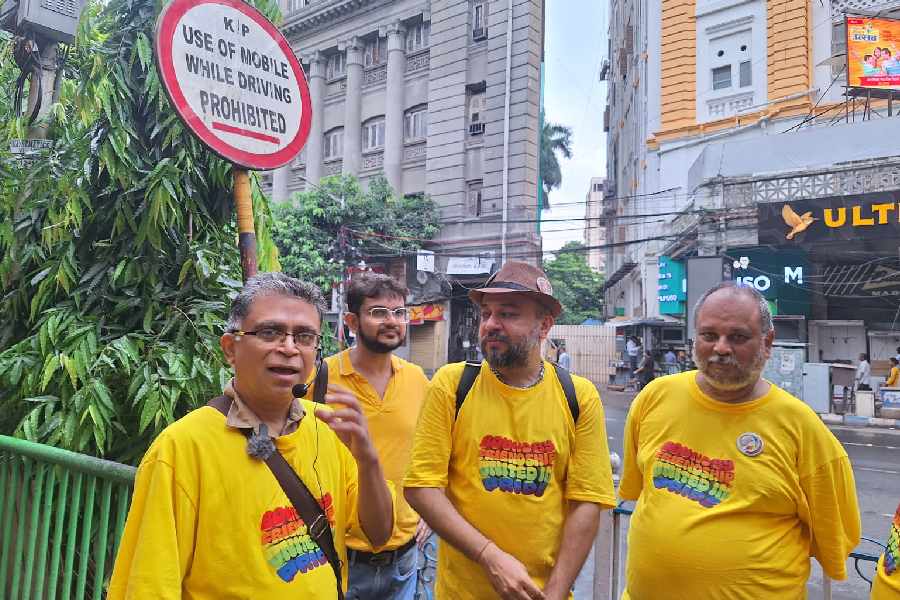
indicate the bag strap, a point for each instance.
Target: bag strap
{"x":469,"y":375}
{"x":471,"y":371}
{"x":307,"y":507}
{"x":568,"y":386}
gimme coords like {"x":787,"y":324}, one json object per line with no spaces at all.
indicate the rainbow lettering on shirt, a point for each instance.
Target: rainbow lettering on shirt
{"x":684,"y":472}
{"x":892,"y":553}
{"x":286,"y":542}
{"x":516,"y":467}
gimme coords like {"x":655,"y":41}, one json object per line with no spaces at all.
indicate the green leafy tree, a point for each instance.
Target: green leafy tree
{"x":578,"y":287}
{"x":117,"y":253}
{"x":555,"y":139}
{"x":338,"y":224}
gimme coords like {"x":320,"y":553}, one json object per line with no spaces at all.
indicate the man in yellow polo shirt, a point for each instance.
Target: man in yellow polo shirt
{"x":390,"y":391}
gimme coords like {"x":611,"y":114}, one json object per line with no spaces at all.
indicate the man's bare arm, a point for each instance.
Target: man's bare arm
{"x":579,"y":532}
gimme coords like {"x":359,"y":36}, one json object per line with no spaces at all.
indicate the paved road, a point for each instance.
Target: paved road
{"x":875,"y":454}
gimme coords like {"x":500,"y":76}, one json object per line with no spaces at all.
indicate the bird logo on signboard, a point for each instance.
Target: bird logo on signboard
{"x":797,"y":223}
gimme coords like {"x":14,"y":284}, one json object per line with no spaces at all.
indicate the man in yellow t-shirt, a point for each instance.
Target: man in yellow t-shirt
{"x":887,"y":575}
{"x":737,"y":482}
{"x":208,"y":520}
{"x":513,"y":479}
{"x":391,"y":392}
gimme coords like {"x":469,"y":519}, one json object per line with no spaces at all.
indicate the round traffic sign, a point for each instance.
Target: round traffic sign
{"x":234,"y":81}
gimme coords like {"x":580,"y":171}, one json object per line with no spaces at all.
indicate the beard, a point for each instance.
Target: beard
{"x":734,"y":376}
{"x":373,"y":344}
{"x":516,"y":353}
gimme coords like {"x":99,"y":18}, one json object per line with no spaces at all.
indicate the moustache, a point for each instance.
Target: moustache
{"x":722,"y":360}
{"x":494,"y":337}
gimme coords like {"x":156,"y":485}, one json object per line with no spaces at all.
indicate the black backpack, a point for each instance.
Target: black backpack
{"x":472,"y":369}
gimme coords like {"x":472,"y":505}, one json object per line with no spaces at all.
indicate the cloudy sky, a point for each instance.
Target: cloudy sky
{"x":575,"y":45}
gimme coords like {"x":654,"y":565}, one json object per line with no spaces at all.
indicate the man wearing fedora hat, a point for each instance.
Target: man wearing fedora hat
{"x":510,"y":464}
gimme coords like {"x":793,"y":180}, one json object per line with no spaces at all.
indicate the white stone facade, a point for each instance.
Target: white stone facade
{"x":417,"y":90}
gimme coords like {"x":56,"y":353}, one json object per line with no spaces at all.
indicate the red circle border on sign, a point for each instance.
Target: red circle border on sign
{"x":165,"y":31}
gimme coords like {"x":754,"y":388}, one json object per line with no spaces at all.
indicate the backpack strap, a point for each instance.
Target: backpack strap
{"x":565,"y":380}
{"x":469,"y":375}
{"x":304,"y":502}
{"x":471,"y":371}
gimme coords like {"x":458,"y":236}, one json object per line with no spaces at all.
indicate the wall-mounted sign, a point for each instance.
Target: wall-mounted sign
{"x":234,"y":81}
{"x":671,"y":289}
{"x":425,"y":312}
{"x":873,"y":216}
{"x":781,"y":276}
{"x":469,"y":265}
{"x":873,"y":53}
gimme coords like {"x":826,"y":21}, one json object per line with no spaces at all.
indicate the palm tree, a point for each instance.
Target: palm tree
{"x":554,"y":138}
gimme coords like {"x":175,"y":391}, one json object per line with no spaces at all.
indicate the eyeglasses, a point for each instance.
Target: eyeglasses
{"x":379,"y":313}
{"x":273,"y":335}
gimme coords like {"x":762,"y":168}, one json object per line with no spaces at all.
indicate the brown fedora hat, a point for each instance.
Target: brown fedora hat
{"x":520,"y":278}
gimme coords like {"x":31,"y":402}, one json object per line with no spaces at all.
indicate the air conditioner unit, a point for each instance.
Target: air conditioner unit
{"x":479,"y":33}
{"x":56,"y":20}
{"x":476,"y":128}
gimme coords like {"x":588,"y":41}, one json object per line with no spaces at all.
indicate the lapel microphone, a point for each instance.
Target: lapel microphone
{"x":299,"y":390}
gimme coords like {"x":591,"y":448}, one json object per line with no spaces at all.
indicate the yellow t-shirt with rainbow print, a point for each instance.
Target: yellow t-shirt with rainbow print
{"x":509,"y":462}
{"x":887,"y":576}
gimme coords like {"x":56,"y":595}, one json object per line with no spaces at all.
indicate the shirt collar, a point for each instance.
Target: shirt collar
{"x":241,"y":416}
{"x":346,"y":365}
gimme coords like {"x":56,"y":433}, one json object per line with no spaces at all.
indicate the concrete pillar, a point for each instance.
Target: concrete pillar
{"x":353,"y":107}
{"x":393,"y":111}
{"x":314,"y":144}
{"x":280,"y":178}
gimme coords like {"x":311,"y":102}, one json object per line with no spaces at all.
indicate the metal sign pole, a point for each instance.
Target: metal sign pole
{"x":243,"y":203}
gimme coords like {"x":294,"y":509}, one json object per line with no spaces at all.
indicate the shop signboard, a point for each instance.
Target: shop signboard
{"x":781,"y":276}
{"x":672,"y":286}
{"x":803,"y":223}
{"x":873,"y":53}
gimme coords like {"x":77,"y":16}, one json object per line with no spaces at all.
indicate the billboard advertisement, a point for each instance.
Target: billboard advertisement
{"x":781,"y":276}
{"x":672,"y":286}
{"x":873,"y":53}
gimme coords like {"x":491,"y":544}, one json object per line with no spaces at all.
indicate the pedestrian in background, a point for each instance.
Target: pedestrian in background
{"x":391,"y":392}
{"x":564,"y":360}
{"x":510,"y":463}
{"x":863,"y":370}
{"x":737,"y":482}
{"x":633,"y":350}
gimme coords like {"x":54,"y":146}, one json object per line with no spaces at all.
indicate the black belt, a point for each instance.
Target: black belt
{"x":381,"y":559}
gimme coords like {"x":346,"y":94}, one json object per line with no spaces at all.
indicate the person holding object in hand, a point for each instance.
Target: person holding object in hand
{"x":253,"y":494}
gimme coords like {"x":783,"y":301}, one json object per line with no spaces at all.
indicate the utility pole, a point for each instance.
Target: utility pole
{"x":43,"y":84}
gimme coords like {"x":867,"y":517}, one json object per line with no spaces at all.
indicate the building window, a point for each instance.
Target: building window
{"x":417,"y":36}
{"x":415,"y":124}
{"x":476,"y":206}
{"x":298,"y":4}
{"x":337,"y":66}
{"x":721,"y":77}
{"x":476,"y":113}
{"x":479,"y":21}
{"x":334,"y":144}
{"x":375,"y":52}
{"x":746,"y":74}
{"x":373,"y":134}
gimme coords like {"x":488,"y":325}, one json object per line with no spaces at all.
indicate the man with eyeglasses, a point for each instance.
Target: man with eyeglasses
{"x":209,"y":519}
{"x":391,"y":392}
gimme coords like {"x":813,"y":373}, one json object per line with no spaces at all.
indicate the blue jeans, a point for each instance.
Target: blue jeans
{"x":393,"y":581}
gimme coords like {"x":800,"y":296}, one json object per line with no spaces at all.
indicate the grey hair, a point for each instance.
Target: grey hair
{"x":765,"y":314}
{"x":273,"y":284}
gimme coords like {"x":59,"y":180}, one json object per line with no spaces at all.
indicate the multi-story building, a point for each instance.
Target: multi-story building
{"x":725,"y":117}
{"x":595,"y":226}
{"x":442,"y":97}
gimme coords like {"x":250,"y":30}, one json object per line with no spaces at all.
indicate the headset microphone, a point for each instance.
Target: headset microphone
{"x":299,"y":390}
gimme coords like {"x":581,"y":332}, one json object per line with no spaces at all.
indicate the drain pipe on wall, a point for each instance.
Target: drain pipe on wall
{"x":503,"y":226}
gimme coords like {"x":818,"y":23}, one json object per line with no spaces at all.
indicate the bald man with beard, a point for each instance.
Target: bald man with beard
{"x":737,"y":482}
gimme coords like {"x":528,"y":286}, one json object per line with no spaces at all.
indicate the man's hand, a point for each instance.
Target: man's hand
{"x":507,"y":575}
{"x":423,"y":532}
{"x":348,"y":422}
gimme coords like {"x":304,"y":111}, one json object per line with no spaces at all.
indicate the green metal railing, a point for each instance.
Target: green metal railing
{"x":61,"y":517}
